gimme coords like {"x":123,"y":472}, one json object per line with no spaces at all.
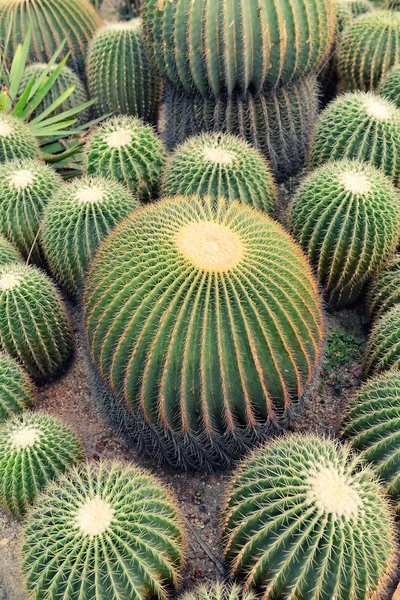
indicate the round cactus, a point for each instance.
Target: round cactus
{"x":384,"y":292}
{"x":34,"y":326}
{"x":204,"y":319}
{"x":119,"y":76}
{"x":16,"y":140}
{"x":117,"y":532}
{"x":346,"y":217}
{"x":372,"y":426}
{"x":279,"y":124}
{"x":218,"y":47}
{"x":129,"y":151}
{"x":383,"y":348}
{"x":50,"y":24}
{"x":358,"y":7}
{"x":8,"y":252}
{"x":367,"y":49}
{"x":25,"y":188}
{"x":76,"y":220}
{"x":218,"y":591}
{"x":361,"y":126}
{"x":221,"y":165}
{"x":35,"y":448}
{"x":16,"y":389}
{"x":390,"y":86}
{"x":304,"y":520}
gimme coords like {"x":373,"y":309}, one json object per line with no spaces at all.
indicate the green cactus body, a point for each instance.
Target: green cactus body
{"x":359,"y":126}
{"x":221,"y":165}
{"x":35,"y":448}
{"x":129,"y":151}
{"x":346,"y":217}
{"x":279,"y":124}
{"x":119,"y":75}
{"x":16,"y":390}
{"x":16,"y":140}
{"x":76,"y":220}
{"x":373,"y":428}
{"x":34,"y":326}
{"x":204,"y":319}
{"x":383,"y":348}
{"x":368,"y":48}
{"x":217,"y":47}
{"x":25,"y":188}
{"x":390,"y":86}
{"x":217,"y":591}
{"x":358,"y":7}
{"x":303,"y":520}
{"x":384,"y":291}
{"x":51,"y":21}
{"x":117,"y":532}
{"x":9,"y":253}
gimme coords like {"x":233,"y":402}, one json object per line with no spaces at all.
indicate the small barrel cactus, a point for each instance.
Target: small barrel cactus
{"x":117,"y":532}
{"x":390,"y":86}
{"x":346,"y":217}
{"x":16,"y":140}
{"x":119,"y":75}
{"x":129,"y":151}
{"x":16,"y":389}
{"x":204,"y":319}
{"x":367,"y":49}
{"x":76,"y":220}
{"x":372,"y":426}
{"x":383,"y":348}
{"x":34,"y":326}
{"x":218,"y":591}
{"x":217,"y":47}
{"x":358,"y":7}
{"x":221,"y":165}
{"x":25,"y":188}
{"x":384,"y":291}
{"x":305,"y":519}
{"x":359,"y":126}
{"x":9,"y":253}
{"x":35,"y":448}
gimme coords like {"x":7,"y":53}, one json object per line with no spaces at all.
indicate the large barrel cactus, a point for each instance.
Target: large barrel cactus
{"x":221,"y":165}
{"x":203,"y":318}
{"x":51,"y":21}
{"x":217,"y":47}
{"x":305,"y":519}
{"x":117,"y":532}
{"x":383,"y":348}
{"x":390,"y":86}
{"x":373,"y":428}
{"x":346,"y":217}
{"x":16,"y":390}
{"x":9,"y":253}
{"x":16,"y":140}
{"x":384,"y":291}
{"x":362,"y":126}
{"x":119,"y":75}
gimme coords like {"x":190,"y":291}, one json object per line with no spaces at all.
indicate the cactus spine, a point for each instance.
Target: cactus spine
{"x":383,"y":348}
{"x":384,"y":291}
{"x":390,"y":86}
{"x":16,"y":390}
{"x":8,"y":252}
{"x":16,"y":140}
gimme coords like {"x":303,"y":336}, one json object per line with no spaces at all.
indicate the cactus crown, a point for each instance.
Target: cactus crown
{"x":16,"y":139}
{"x":218,"y":591}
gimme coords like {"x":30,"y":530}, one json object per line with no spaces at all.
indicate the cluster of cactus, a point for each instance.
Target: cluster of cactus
{"x":118,"y":74}
{"x":126,"y":149}
{"x":372,"y":427}
{"x":50,"y":21}
{"x":384,"y":291}
{"x":25,"y":188}
{"x":16,"y":140}
{"x":306,"y":519}
{"x":383,"y":348}
{"x":103,"y":531}
{"x":35,"y":448}
{"x":203,"y":318}
{"x":34,"y":326}
{"x":9,"y":253}
{"x":221,"y":165}
{"x":76,"y":220}
{"x":390,"y":86}
{"x":346,"y":217}
{"x":16,"y":389}
{"x":359,"y":126}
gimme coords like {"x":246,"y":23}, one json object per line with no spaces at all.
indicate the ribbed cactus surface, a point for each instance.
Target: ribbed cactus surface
{"x":217,"y":590}
{"x":9,"y":253}
{"x":373,"y":428}
{"x":16,"y":389}
{"x":304,"y":521}
{"x":119,"y":76}
{"x":368,"y":48}
{"x":103,"y":531}
{"x":383,"y":348}
{"x":35,"y":448}
{"x":346,"y":217}
{"x":362,"y":126}
{"x":129,"y":151}
{"x":384,"y":291}
{"x":34,"y":325}
{"x":25,"y":188}
{"x":221,"y":165}
{"x":358,"y":7}
{"x":204,"y":319}
{"x":279,"y":123}
{"x":218,"y":47}
{"x":76,"y":220}
{"x":390,"y":86}
{"x":16,"y":140}
{"x":51,"y":21}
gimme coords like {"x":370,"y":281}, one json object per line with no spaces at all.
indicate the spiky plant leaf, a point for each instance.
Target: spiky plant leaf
{"x":16,"y":390}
